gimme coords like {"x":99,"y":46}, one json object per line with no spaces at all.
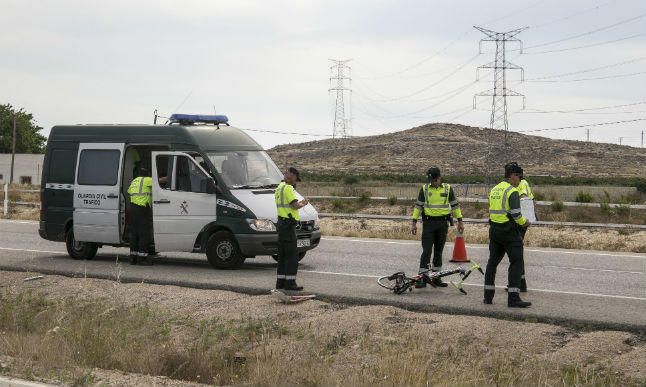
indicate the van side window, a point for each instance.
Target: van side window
{"x":99,"y":167}
{"x":164,"y":170}
{"x":189,"y":177}
{"x":62,"y":166}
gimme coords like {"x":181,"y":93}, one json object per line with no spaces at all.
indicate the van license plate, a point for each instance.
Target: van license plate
{"x":303,"y":243}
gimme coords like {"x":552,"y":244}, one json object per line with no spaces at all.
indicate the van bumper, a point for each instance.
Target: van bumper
{"x":267,"y":244}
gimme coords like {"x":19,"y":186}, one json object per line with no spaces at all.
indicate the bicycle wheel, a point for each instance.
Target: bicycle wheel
{"x":392,"y":282}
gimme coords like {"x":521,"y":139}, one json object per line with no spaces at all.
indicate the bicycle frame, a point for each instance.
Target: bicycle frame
{"x":404,"y":283}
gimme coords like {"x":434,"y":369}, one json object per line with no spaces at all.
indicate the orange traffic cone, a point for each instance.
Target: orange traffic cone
{"x":460,"y":250}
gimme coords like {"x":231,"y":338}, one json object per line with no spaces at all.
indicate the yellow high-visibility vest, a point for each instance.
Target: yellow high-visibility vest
{"x":499,"y":209}
{"x":525,"y":189}
{"x":284,"y":195}
{"x":436,"y":202}
{"x":141,"y":191}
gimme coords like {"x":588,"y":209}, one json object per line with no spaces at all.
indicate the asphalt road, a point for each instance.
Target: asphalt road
{"x":602,"y":289}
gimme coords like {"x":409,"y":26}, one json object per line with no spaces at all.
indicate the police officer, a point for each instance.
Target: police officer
{"x":435,"y":202}
{"x":504,"y":236}
{"x":287,"y":206}
{"x":140,"y":216}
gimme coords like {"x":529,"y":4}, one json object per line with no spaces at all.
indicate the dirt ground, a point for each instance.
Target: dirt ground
{"x":331,"y":344}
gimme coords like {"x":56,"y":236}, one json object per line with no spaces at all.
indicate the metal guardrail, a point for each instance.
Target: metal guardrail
{"x":609,"y":226}
{"x":477,"y":200}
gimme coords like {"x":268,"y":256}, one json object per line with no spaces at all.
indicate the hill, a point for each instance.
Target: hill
{"x":462,"y":150}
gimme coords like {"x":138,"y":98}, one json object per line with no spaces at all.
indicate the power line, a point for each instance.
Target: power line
{"x":588,"y":32}
{"x":568,"y":17}
{"x":588,"y":70}
{"x":582,"y":126}
{"x":587,"y":45}
{"x":589,"y":79}
{"x":584,"y":109}
{"x":287,"y":133}
{"x":425,"y":88}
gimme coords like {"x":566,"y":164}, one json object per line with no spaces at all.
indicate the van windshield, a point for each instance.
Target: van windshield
{"x":246,"y":169}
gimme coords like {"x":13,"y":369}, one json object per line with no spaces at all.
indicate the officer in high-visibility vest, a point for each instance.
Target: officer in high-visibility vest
{"x":287,"y":206}
{"x":504,"y":236}
{"x":140,"y":216}
{"x":435,"y":203}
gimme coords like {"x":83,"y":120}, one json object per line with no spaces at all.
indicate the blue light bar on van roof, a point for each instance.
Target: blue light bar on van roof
{"x":199,"y":118}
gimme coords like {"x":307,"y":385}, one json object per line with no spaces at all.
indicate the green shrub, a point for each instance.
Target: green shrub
{"x":605,"y":208}
{"x":364,"y":197}
{"x":623,"y":210}
{"x":557,"y":206}
{"x":539,"y":197}
{"x":350,"y":179}
{"x":392,"y":200}
{"x":583,"y":197}
{"x":338,"y":204}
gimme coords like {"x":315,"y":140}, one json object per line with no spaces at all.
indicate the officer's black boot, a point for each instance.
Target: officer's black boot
{"x":488,"y":296}
{"x":133,"y":258}
{"x":437,"y":281}
{"x":280,"y":283}
{"x":146,"y":260}
{"x":523,"y":286}
{"x":292,"y":285}
{"x":514,"y":301}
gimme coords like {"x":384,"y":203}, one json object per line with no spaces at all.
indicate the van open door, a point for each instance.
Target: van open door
{"x":96,"y":193}
{"x":184,"y":200}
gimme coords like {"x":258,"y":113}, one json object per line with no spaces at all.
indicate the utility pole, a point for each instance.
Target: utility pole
{"x":500,"y":66}
{"x":587,"y":132}
{"x":340,"y":72}
{"x":642,"y":138}
{"x":620,"y":140}
{"x":13,"y":149}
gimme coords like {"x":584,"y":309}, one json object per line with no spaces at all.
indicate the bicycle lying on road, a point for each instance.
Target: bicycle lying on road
{"x":400,"y":283}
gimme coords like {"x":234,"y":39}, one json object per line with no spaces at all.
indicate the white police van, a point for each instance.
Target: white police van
{"x":213,"y":189}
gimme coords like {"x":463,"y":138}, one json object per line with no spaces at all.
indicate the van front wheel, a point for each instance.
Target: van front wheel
{"x":222,"y":251}
{"x":79,"y":250}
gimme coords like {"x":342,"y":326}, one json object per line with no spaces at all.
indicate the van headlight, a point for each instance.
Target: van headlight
{"x":261,"y":224}
{"x":317,"y":224}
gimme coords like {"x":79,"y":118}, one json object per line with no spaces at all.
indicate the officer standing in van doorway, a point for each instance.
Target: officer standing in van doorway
{"x":287,"y":206}
{"x":140,"y":216}
{"x":504,"y":237}
{"x":435,"y":203}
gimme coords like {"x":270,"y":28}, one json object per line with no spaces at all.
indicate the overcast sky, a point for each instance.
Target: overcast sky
{"x":265,"y":63}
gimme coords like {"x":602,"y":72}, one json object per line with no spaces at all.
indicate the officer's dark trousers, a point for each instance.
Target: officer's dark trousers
{"x":504,"y":238}
{"x":433,"y":238}
{"x":140,"y":224}
{"x":287,"y":250}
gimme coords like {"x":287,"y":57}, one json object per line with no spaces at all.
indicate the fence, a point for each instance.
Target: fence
{"x":561,"y":193}
{"x":608,"y":226}
{"x":6,"y":199}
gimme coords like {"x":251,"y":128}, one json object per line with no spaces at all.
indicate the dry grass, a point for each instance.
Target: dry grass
{"x":566,"y":238}
{"x":63,"y":328}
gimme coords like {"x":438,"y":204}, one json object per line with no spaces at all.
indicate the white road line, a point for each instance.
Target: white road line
{"x":33,"y":251}
{"x":19,"y":221}
{"x":481,"y":285}
{"x":601,"y":270}
{"x":12,"y":382}
{"x":550,"y":251}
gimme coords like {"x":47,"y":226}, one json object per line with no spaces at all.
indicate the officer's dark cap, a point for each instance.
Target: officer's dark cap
{"x":512,"y":168}
{"x":295,"y":172}
{"x":433,"y":173}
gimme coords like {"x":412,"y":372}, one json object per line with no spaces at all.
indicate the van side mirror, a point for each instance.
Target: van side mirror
{"x":211,"y":187}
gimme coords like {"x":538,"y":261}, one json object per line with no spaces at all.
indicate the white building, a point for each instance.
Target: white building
{"x":28,"y":168}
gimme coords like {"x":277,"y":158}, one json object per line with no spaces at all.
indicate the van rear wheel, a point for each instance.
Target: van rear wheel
{"x":223,"y":252}
{"x":79,"y":250}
